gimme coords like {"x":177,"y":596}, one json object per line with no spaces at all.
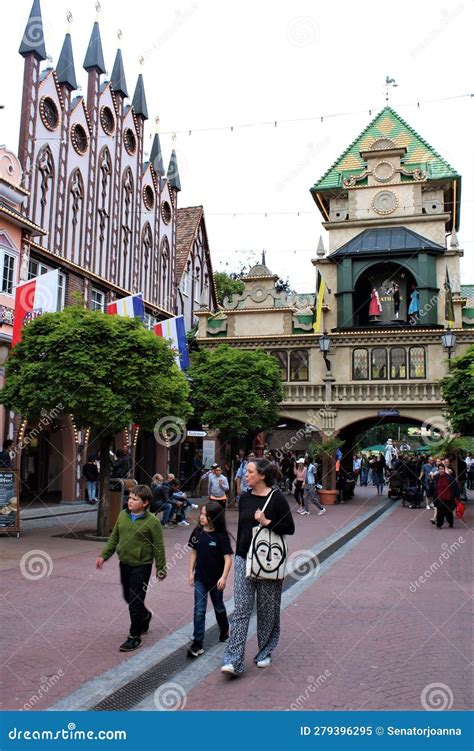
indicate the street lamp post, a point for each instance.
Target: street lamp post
{"x":325,"y":346}
{"x":449,"y":342}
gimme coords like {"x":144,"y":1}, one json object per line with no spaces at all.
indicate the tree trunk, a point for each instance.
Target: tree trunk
{"x":328,"y":471}
{"x":104,"y":482}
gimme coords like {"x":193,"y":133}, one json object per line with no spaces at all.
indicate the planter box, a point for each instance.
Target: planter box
{"x":328,"y":497}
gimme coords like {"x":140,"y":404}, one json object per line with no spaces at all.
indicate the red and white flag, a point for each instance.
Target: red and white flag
{"x":33,"y":298}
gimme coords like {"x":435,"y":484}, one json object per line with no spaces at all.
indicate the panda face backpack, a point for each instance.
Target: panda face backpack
{"x":266,"y":558}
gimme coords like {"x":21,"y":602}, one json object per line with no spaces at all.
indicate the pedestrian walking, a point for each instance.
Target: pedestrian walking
{"x":310,"y":490}
{"x":138,"y":539}
{"x":378,"y":473}
{"x":300,"y":477}
{"x":261,"y":477}
{"x":209,"y":566}
{"x":445,"y":496}
{"x":240,"y":481}
{"x":217,"y":488}
{"x":90,"y":472}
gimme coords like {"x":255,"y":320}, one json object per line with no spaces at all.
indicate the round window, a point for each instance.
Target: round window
{"x":79,"y":138}
{"x":129,"y":140}
{"x":107,"y":120}
{"x":49,"y":113}
{"x":148,"y":197}
{"x":166,"y":212}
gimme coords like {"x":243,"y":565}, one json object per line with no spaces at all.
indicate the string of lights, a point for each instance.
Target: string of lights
{"x":321,"y":118}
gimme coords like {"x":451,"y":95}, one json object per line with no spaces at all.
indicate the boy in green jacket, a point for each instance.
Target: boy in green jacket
{"x":138,"y":539}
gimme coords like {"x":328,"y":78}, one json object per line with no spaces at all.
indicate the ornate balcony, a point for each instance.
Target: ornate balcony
{"x":364,"y":393}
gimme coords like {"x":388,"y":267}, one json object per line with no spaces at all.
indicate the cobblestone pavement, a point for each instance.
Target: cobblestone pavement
{"x":370,"y":633}
{"x":63,"y":621}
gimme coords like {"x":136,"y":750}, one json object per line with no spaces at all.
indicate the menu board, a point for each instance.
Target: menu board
{"x":9,"y":501}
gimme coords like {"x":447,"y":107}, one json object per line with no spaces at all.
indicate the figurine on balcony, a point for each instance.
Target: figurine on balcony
{"x":414,"y":307}
{"x":395,"y":292}
{"x":375,"y":306}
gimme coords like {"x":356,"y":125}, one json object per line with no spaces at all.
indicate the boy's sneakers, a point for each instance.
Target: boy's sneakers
{"x":146,"y":621}
{"x":183,"y":523}
{"x":223,"y":636}
{"x":228,"y":670}
{"x":195,"y":650}
{"x":133,"y":642}
{"x":323,"y":511}
{"x":194,"y":505}
{"x":304,"y":513}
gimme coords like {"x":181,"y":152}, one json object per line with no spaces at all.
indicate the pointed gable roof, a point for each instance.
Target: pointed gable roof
{"x":187,"y":223}
{"x":32,"y":41}
{"x":156,"y":156}
{"x":139,"y":99}
{"x":173,"y":172}
{"x":118,"y":83}
{"x":94,"y":56}
{"x":65,"y":72}
{"x":386,"y":125}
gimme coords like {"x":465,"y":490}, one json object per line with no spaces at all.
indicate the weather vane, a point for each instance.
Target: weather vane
{"x":389,"y":82}
{"x":119,"y":34}
{"x":141,"y":60}
{"x":97,"y":7}
{"x":69,"y":18}
{"x":173,"y":138}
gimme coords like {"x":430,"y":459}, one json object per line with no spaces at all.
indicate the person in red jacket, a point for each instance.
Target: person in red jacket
{"x":445,"y":495}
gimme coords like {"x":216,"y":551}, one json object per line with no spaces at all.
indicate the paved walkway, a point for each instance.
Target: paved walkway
{"x":64,"y":621}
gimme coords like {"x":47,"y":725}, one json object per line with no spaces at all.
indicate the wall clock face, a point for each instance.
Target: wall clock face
{"x":384,"y":202}
{"x":383,"y":171}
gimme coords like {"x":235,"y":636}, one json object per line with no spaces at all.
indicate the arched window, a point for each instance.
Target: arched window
{"x":379,"y":363}
{"x":398,"y":362}
{"x":282,"y":359}
{"x":360,"y":365}
{"x":299,"y":370}
{"x":417,"y":362}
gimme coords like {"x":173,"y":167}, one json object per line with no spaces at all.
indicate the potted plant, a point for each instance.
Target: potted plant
{"x":326,"y":450}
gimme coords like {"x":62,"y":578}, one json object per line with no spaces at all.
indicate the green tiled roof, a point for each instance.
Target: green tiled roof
{"x":387,"y":124}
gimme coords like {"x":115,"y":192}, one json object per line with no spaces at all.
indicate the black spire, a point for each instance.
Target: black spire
{"x":65,"y":71}
{"x":173,"y":172}
{"x":156,"y":157}
{"x":32,"y":42}
{"x":94,"y":56}
{"x":139,"y":99}
{"x":118,"y":83}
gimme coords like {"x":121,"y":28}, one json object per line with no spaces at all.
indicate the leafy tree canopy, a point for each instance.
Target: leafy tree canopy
{"x":107,"y":371}
{"x":236,"y":391}
{"x":458,"y":392}
{"x":227,"y":285}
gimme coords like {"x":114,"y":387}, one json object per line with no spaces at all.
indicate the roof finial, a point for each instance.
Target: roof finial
{"x":454,"y":239}
{"x":263,"y":258}
{"x":97,"y":10}
{"x":389,"y":82}
{"x":320,"y":251}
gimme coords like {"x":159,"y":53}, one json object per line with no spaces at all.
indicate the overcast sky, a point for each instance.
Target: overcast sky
{"x":216,"y":64}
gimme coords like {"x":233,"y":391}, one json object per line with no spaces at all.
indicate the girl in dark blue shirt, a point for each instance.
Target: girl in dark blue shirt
{"x":209,"y":566}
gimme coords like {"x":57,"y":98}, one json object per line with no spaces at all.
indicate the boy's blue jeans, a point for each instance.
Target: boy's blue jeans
{"x":201,"y":591}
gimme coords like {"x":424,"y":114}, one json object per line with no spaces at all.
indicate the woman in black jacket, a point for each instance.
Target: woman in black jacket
{"x":261,"y":476}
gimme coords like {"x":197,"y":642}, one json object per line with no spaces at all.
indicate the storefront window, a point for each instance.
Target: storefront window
{"x":398,"y":362}
{"x":282,"y":359}
{"x":360,"y":365}
{"x":299,"y":370}
{"x":379,"y":363}
{"x":417,"y":362}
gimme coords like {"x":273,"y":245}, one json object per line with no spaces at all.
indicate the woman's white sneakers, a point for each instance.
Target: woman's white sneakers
{"x":228,"y":670}
{"x":264,"y":663}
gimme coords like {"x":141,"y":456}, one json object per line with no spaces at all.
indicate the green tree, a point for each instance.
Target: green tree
{"x":107,"y":371}
{"x":458,"y":392}
{"x":227,"y":285}
{"x":236,"y":391}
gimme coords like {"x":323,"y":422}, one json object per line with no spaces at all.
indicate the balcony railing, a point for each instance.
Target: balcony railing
{"x":364,"y":393}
